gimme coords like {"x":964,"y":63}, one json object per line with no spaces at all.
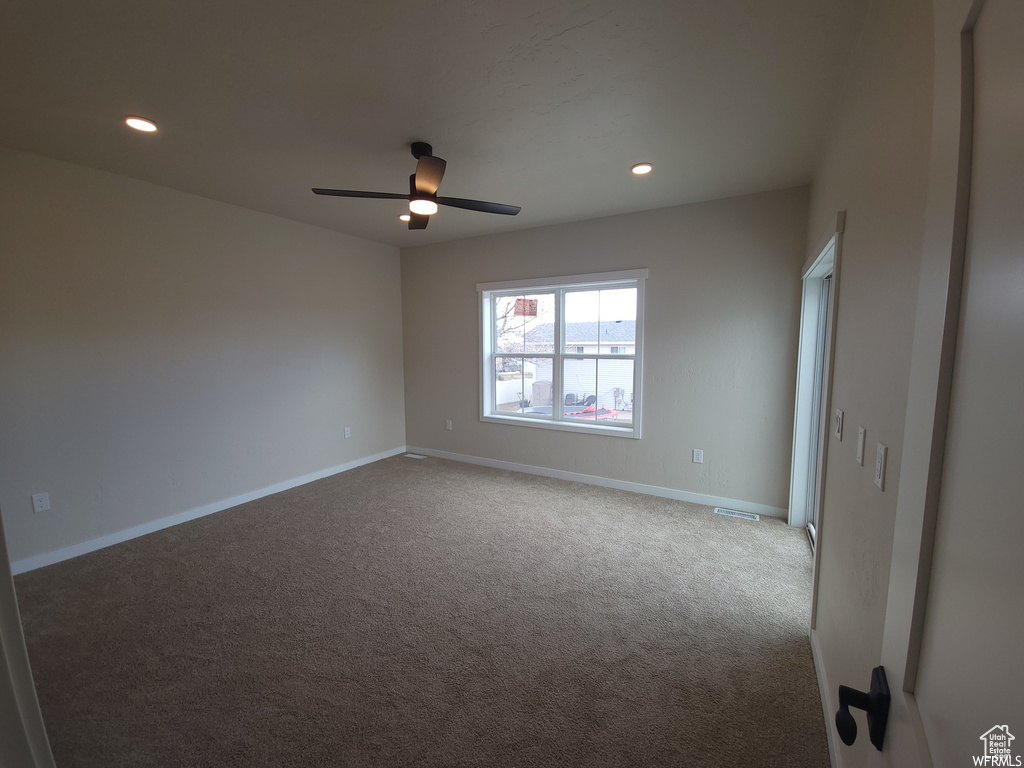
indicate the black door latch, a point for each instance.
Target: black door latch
{"x":875,"y":702}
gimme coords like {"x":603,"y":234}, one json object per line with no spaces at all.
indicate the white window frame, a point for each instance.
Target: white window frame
{"x":558,"y":285}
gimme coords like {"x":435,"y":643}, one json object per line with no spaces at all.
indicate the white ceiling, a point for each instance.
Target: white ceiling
{"x":534,"y":103}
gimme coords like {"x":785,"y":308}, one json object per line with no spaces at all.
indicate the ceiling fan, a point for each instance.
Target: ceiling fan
{"x":422,"y":197}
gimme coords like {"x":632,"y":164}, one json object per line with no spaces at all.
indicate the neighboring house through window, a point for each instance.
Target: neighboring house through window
{"x":564,"y":353}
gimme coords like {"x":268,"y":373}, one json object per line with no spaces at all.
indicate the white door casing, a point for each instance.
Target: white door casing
{"x":23,"y":740}
{"x":803,"y":494}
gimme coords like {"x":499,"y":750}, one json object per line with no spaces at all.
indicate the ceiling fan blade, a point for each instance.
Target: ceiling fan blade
{"x":418,"y":221}
{"x":429,"y":172}
{"x":354,"y":193}
{"x":479,"y":205}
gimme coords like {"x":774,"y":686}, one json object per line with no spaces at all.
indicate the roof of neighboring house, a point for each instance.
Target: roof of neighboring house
{"x":612,"y":331}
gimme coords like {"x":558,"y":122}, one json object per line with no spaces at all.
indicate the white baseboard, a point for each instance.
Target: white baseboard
{"x":66,"y":553}
{"x":622,"y":485}
{"x":826,"y":702}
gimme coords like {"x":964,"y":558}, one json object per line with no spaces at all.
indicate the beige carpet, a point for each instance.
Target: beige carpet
{"x":429,"y":613}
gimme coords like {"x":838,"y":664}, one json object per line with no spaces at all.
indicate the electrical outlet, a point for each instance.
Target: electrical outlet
{"x":348,"y":432}
{"x":838,"y":424}
{"x":880,"y":455}
{"x":448,"y":424}
{"x":40,"y":502}
{"x":860,"y":446}
{"x":698,"y":456}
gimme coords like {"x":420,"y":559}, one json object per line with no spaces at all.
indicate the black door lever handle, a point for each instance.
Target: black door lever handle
{"x":875,"y":703}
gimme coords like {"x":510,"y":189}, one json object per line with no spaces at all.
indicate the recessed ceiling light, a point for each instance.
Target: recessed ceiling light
{"x":140,"y":123}
{"x":404,"y":217}
{"x":423,"y":206}
{"x":641,"y":168}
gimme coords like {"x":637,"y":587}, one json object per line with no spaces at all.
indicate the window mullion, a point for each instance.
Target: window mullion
{"x":494,"y":353}
{"x":558,"y":400}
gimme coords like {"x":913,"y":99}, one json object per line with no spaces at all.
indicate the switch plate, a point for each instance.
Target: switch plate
{"x":698,"y":456}
{"x":860,"y":446}
{"x":837,"y":423}
{"x":880,"y":455}
{"x":348,"y":432}
{"x":448,"y":424}
{"x":40,"y":502}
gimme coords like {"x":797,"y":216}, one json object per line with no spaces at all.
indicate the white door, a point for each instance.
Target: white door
{"x":953,"y":639}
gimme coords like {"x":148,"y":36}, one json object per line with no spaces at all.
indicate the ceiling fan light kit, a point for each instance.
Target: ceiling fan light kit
{"x":422,"y":197}
{"x":140,"y":123}
{"x":423,"y":206}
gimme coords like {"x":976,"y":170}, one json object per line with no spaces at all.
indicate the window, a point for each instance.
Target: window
{"x":564,"y":353}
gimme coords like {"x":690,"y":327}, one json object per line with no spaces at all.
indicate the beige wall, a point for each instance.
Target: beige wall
{"x":957,"y":673}
{"x":971,"y":676}
{"x":875,"y":167}
{"x":721,"y":321}
{"x":162,"y":351}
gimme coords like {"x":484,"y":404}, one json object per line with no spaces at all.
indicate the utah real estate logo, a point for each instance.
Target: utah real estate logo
{"x":997,"y":750}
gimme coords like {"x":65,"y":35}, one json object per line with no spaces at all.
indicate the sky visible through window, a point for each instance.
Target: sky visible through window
{"x":616,"y":304}
{"x":606,"y":306}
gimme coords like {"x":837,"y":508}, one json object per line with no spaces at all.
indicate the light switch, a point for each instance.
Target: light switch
{"x":880,"y":454}
{"x":837,"y":424}
{"x":860,"y":446}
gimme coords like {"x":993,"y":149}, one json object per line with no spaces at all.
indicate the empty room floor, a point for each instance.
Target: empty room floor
{"x":432,"y":613}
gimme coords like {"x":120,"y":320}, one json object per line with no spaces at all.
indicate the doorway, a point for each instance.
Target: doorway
{"x":814,"y":375}
{"x":821,"y":351}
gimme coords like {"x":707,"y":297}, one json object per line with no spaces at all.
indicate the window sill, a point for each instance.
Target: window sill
{"x":562,"y":426}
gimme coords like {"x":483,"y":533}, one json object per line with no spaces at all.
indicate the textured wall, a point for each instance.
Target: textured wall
{"x":162,"y":351}
{"x":722,"y":309}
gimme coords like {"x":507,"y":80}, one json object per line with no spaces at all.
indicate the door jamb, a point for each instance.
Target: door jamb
{"x":27,"y":721}
{"x":801,"y":449}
